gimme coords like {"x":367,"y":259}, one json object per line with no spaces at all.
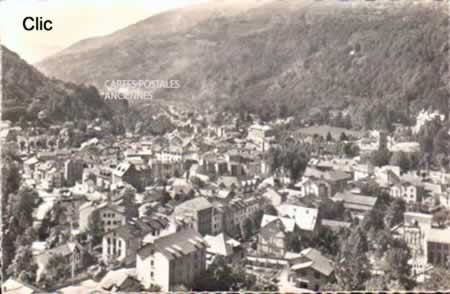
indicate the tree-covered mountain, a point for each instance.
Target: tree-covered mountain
{"x":28,"y":94}
{"x":280,"y":57}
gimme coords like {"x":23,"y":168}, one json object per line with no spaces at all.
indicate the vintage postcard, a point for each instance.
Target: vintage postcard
{"x":286,"y":146}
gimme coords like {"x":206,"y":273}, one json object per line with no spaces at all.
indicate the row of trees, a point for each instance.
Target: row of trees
{"x":288,"y":159}
{"x":371,"y":239}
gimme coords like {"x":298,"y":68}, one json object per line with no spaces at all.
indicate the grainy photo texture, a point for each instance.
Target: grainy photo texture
{"x":285,"y":146}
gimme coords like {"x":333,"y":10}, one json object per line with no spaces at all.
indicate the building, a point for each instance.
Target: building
{"x":14,"y":286}
{"x":120,"y":244}
{"x":305,"y":217}
{"x":258,"y":133}
{"x":438,"y":247}
{"x":224,"y":246}
{"x":358,"y":204}
{"x":137,"y":176}
{"x":111,"y":216}
{"x":202,"y":212}
{"x":172,"y":260}
{"x":410,"y":192}
{"x":72,"y":252}
{"x":311,"y":270}
{"x":272,"y":240}
{"x":73,"y":171}
{"x":236,"y":211}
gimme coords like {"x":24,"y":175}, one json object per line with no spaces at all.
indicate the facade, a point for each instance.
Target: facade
{"x":312,"y":270}
{"x":272,"y":240}
{"x":172,"y":260}
{"x":224,"y":246}
{"x":111,"y":216}
{"x":73,"y":171}
{"x":137,"y":176}
{"x":438,"y":247}
{"x":409,"y":192}
{"x":202,"y":212}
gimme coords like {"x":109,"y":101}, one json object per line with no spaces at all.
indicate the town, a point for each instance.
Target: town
{"x":226,"y":203}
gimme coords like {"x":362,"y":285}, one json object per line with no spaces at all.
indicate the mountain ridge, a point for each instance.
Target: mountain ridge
{"x":28,"y":94}
{"x":292,"y":55}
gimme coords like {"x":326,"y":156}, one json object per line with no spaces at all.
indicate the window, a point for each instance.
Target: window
{"x":152,"y":262}
{"x":151,"y":275}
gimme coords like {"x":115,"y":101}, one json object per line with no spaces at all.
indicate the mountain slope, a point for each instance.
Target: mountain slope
{"x":278,"y":54}
{"x":28,"y":93}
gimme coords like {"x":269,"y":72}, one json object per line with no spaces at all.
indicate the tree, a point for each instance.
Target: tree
{"x":401,"y":160}
{"x":293,"y":242}
{"x":377,"y":283}
{"x":395,"y":211}
{"x":23,"y":265}
{"x":220,"y":276}
{"x":95,"y":227}
{"x":438,"y":279}
{"x":441,"y":217}
{"x":353,"y":267}
{"x":343,"y":137}
{"x":57,"y":270}
{"x":289,"y":158}
{"x":350,"y":149}
{"x":380,"y":157}
{"x":396,"y":266}
{"x":329,"y":137}
{"x":352,"y":272}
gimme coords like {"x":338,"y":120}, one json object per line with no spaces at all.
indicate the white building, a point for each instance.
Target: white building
{"x":172,"y":260}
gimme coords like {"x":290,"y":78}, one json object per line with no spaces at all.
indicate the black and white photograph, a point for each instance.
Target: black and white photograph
{"x":284,"y":146}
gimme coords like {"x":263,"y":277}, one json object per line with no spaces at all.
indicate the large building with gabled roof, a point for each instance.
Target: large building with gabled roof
{"x":173,"y":260}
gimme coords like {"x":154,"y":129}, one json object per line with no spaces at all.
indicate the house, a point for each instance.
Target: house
{"x":259,"y":134}
{"x":274,"y":197}
{"x":29,"y":166}
{"x":288,"y":223}
{"x":139,"y":176}
{"x":180,"y":186}
{"x":72,"y":252}
{"x":217,"y":219}
{"x":304,"y":217}
{"x":224,"y":246}
{"x":165,"y":170}
{"x":14,"y":286}
{"x":438,"y":247}
{"x":120,"y":244}
{"x":236,"y":211}
{"x":358,"y":204}
{"x":272,"y":240}
{"x":172,"y":260}
{"x":202,"y":212}
{"x":409,"y":191}
{"x":323,"y":181}
{"x":121,"y":280}
{"x":73,"y":171}
{"x":312,"y":186}
{"x":111,"y":216}
{"x":311,"y":270}
{"x":386,"y":175}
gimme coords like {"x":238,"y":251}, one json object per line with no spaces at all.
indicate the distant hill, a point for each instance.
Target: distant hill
{"x":279,"y":57}
{"x":28,"y":93}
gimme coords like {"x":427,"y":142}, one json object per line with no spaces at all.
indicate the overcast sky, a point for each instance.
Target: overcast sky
{"x":73,"y":20}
